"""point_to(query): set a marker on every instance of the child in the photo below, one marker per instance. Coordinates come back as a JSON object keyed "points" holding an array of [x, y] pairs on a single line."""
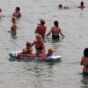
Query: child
{"points": [[14, 26], [27, 52], [17, 12], [84, 62], [44, 56]]}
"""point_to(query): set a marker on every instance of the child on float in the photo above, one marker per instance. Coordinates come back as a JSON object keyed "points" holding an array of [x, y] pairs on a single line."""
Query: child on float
{"points": [[27, 52], [43, 57]]}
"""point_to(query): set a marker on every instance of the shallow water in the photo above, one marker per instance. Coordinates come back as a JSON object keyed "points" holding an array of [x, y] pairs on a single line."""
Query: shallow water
{"points": [[32, 74]]}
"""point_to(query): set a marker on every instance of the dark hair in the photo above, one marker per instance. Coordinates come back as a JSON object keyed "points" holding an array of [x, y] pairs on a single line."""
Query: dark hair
{"points": [[18, 8], [82, 3], [60, 6], [86, 52], [56, 23], [42, 22]]}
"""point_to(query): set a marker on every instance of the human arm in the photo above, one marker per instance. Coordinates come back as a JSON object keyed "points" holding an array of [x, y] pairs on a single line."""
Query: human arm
{"points": [[49, 32], [61, 33]]}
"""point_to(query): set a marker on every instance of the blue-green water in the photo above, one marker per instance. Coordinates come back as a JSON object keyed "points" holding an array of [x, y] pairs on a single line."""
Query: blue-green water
{"points": [[32, 74]]}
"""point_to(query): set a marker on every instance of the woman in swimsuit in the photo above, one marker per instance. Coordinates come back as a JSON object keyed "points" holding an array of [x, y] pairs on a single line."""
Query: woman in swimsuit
{"points": [[56, 31], [14, 26]]}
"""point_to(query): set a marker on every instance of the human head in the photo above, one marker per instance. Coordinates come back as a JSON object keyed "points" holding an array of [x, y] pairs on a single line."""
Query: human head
{"points": [[60, 6], [17, 9], [28, 44], [56, 23], [82, 3], [42, 21], [38, 37], [86, 52], [50, 52]]}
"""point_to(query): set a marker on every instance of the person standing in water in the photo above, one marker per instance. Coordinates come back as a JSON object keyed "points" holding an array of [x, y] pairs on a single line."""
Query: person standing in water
{"points": [[41, 29], [17, 12], [81, 5], [84, 62], [56, 31], [14, 26], [39, 45]]}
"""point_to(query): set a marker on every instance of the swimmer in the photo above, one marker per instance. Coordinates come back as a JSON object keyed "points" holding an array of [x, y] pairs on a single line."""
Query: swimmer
{"points": [[62, 7], [56, 31], [17, 12], [14, 26], [84, 62], [41, 28], [27, 52], [39, 45], [81, 5], [44, 56]]}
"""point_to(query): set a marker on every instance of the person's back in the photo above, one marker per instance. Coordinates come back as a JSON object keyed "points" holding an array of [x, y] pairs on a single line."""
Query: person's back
{"points": [[84, 62], [41, 28]]}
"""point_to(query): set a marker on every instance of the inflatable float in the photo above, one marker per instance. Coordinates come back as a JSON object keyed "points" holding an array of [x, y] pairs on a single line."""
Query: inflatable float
{"points": [[48, 59]]}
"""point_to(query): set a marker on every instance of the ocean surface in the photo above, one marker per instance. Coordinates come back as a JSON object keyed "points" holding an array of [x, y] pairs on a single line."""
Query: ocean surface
{"points": [[33, 74]]}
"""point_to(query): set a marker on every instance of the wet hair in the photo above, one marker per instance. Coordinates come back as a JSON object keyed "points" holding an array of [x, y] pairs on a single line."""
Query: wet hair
{"points": [[56, 23], [18, 8], [28, 44], [42, 22], [60, 6], [86, 52], [82, 3]]}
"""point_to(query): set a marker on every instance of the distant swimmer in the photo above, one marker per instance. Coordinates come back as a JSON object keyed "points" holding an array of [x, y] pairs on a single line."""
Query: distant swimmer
{"points": [[84, 62], [55, 31], [63, 7], [41, 28], [17, 12], [39, 45], [81, 5], [14, 26]]}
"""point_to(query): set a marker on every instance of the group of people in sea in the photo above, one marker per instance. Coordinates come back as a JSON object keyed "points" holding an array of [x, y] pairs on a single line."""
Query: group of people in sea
{"points": [[40, 36], [39, 41], [81, 6]]}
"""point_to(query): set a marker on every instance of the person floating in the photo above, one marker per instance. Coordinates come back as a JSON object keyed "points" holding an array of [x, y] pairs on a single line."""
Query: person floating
{"points": [[81, 5], [41, 29], [84, 62], [56, 31], [39, 45], [60, 6], [17, 12]]}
